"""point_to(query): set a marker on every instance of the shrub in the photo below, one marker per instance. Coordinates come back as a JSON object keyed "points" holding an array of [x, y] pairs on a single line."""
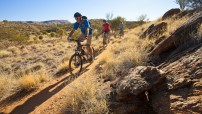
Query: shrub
{"points": [[12, 35], [87, 98], [115, 23], [128, 54], [52, 34], [63, 67], [14, 50], [6, 84], [5, 21], [40, 37], [61, 32], [5, 53], [32, 80]]}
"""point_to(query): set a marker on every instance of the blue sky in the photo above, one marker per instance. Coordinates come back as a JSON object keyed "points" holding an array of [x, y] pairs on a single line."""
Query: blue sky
{"points": [[42, 10]]}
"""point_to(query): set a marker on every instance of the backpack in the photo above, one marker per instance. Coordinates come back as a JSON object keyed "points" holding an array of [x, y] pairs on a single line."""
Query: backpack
{"points": [[84, 17]]}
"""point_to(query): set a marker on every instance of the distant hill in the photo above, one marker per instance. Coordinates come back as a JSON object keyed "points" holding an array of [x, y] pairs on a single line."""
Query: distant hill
{"points": [[49, 22]]}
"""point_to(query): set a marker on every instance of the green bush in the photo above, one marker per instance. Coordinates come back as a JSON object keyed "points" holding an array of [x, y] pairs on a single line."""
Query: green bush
{"points": [[12, 35], [115, 22], [61, 33], [40, 37], [35, 38], [5, 21], [52, 34]]}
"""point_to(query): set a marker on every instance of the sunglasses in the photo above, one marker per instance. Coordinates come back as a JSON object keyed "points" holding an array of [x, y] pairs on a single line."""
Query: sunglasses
{"points": [[77, 18]]}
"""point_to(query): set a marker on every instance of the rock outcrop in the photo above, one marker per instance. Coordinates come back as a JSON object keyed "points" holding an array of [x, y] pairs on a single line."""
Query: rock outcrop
{"points": [[182, 92], [128, 94], [170, 13], [179, 37], [175, 86], [154, 31], [187, 13]]}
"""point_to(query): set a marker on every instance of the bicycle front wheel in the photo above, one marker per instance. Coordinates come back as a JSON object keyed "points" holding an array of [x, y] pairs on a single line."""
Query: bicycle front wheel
{"points": [[75, 64], [93, 52]]}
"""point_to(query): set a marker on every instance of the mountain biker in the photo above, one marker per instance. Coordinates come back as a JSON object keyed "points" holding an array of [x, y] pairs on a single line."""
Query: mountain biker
{"points": [[105, 31], [86, 31], [121, 27]]}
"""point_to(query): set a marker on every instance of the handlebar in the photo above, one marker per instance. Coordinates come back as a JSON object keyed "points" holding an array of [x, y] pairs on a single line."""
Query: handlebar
{"points": [[72, 39], [77, 41]]}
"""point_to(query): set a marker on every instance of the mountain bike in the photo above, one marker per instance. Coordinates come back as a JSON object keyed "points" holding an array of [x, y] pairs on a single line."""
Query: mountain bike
{"points": [[79, 58], [121, 33], [106, 38]]}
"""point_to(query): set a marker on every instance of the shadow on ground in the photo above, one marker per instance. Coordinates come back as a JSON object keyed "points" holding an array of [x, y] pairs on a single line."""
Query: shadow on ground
{"points": [[42, 96]]}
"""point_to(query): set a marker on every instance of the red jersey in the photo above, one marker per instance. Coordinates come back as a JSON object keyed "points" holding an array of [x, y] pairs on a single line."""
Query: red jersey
{"points": [[106, 27]]}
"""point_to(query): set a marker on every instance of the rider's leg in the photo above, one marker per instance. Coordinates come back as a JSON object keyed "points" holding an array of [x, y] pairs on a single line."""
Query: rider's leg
{"points": [[108, 38], [122, 32], [104, 39], [90, 51], [89, 45]]}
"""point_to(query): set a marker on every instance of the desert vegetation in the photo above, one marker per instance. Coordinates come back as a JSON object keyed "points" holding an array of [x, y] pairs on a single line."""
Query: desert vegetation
{"points": [[88, 97], [31, 55], [126, 53]]}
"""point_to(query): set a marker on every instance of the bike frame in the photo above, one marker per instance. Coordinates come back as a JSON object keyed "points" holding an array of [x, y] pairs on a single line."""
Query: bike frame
{"points": [[79, 49], [80, 53]]}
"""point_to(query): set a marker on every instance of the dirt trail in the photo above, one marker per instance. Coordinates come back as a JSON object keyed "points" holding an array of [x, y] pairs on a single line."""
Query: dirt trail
{"points": [[49, 99]]}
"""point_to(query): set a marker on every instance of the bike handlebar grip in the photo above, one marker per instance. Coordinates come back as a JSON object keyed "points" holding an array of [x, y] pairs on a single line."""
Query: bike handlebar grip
{"points": [[70, 39]]}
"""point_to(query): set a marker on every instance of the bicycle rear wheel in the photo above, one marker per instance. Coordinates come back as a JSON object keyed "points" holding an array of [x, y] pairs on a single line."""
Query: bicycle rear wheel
{"points": [[75, 64]]}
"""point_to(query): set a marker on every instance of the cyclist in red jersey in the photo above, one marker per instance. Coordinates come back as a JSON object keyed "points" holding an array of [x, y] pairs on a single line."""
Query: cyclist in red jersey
{"points": [[105, 32]]}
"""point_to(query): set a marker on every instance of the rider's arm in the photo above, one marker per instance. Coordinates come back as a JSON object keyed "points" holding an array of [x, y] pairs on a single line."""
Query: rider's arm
{"points": [[87, 28], [87, 32], [70, 34], [75, 27]]}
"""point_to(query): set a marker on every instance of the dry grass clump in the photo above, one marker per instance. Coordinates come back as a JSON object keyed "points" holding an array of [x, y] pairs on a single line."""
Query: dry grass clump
{"points": [[97, 43], [6, 83], [5, 53], [14, 50], [32, 80], [128, 54], [63, 67], [173, 24], [87, 98]]}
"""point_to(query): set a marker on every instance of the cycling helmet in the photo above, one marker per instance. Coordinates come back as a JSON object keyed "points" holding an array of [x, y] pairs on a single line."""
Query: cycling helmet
{"points": [[77, 14], [104, 20]]}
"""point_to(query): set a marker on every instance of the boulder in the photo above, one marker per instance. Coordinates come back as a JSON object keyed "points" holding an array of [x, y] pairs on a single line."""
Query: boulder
{"points": [[128, 94], [171, 13], [139, 80]]}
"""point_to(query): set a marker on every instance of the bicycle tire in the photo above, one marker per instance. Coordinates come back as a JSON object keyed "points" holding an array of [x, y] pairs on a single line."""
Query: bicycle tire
{"points": [[75, 64], [93, 52]]}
